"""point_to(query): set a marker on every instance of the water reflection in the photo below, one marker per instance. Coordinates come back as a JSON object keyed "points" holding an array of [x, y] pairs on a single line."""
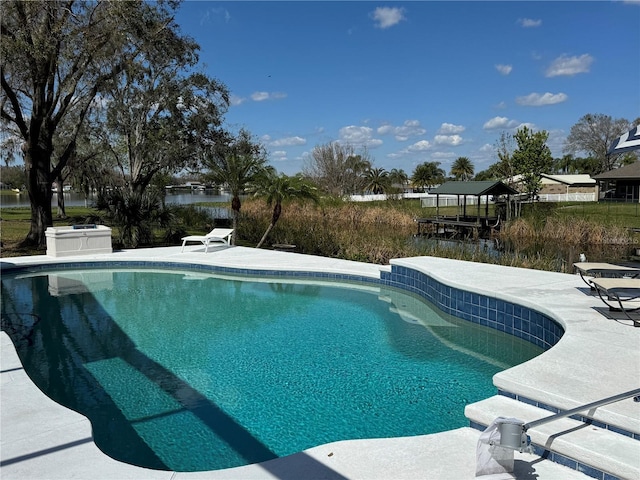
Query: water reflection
{"points": [[485, 344], [72, 199]]}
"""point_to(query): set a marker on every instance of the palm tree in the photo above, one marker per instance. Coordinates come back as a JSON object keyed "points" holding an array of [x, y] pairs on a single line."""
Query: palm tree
{"points": [[281, 188], [356, 168], [427, 174], [237, 172], [398, 176], [462, 169], [565, 165], [236, 163], [135, 214], [377, 180]]}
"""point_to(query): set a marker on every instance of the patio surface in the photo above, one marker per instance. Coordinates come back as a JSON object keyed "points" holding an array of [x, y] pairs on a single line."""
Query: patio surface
{"points": [[597, 357]]}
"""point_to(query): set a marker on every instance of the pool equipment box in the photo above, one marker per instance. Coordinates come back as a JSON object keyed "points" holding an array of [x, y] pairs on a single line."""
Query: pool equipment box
{"points": [[78, 240]]}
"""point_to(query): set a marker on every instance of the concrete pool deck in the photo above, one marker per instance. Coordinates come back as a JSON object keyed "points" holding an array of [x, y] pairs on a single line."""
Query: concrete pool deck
{"points": [[597, 357]]}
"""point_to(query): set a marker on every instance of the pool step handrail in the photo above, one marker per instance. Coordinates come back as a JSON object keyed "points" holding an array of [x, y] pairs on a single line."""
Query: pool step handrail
{"points": [[514, 435]]}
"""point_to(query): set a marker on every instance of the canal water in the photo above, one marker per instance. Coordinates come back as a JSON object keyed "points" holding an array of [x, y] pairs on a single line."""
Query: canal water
{"points": [[72, 199]]}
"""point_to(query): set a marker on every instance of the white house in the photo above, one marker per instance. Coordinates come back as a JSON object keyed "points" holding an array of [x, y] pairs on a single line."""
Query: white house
{"points": [[564, 188]]}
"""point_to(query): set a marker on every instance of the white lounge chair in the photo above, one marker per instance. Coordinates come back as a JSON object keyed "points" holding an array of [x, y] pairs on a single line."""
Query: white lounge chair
{"points": [[604, 270], [625, 292], [217, 235]]}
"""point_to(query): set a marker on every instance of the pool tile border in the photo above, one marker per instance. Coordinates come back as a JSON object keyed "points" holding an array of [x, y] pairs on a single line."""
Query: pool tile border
{"points": [[511, 318], [197, 267]]}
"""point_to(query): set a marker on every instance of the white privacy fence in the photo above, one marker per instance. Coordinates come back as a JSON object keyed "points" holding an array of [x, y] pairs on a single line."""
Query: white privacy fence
{"points": [[452, 200], [382, 197], [429, 200], [568, 197]]}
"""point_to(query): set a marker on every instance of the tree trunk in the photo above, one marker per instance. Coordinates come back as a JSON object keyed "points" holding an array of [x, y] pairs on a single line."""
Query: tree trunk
{"points": [[264, 237], [235, 207], [37, 162], [277, 210], [62, 213]]}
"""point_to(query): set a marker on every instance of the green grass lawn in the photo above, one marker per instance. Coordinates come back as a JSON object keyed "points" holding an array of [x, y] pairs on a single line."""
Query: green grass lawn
{"points": [[625, 214]]}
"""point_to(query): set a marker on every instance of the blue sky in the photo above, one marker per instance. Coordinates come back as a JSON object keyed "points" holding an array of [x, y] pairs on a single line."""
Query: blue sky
{"points": [[416, 81]]}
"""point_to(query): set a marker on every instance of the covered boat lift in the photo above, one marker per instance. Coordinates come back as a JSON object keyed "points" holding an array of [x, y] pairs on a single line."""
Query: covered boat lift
{"points": [[464, 222]]}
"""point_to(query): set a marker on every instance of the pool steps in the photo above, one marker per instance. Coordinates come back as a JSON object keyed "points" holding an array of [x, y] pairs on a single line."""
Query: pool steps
{"points": [[567, 441]]}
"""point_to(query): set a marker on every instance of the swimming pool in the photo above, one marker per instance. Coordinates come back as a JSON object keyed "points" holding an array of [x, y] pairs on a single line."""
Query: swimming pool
{"points": [[192, 371]]}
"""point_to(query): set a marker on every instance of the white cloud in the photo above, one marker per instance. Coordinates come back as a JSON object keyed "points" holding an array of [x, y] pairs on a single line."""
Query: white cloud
{"points": [[442, 155], [410, 128], [504, 69], [556, 141], [304, 156], [450, 129], [278, 155], [530, 126], [236, 100], [451, 140], [529, 22], [262, 96], [215, 15], [362, 136], [288, 142], [568, 66], [540, 99], [386, 17], [420, 146], [536, 55], [486, 148], [499, 122]]}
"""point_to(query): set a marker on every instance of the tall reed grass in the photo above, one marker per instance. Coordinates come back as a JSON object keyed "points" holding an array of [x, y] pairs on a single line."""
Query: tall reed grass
{"points": [[342, 230], [569, 230], [376, 233]]}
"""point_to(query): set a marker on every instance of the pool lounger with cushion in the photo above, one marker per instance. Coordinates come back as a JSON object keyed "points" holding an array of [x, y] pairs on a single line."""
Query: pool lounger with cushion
{"points": [[625, 292], [598, 270]]}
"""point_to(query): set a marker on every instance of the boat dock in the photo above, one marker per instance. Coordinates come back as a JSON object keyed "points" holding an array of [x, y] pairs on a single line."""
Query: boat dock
{"points": [[452, 227]]}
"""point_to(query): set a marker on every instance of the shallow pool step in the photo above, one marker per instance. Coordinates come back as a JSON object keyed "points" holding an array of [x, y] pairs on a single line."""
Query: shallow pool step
{"points": [[595, 451]]}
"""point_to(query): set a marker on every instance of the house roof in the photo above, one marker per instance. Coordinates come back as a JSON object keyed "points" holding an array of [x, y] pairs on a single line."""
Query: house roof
{"points": [[628, 172], [581, 179], [547, 179], [474, 188]]}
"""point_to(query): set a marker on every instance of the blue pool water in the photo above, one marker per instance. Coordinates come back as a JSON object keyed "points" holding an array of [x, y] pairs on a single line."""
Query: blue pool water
{"points": [[189, 371]]}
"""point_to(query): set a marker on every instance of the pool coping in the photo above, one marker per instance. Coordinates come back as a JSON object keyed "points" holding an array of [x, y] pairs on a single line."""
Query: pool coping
{"points": [[560, 296]]}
